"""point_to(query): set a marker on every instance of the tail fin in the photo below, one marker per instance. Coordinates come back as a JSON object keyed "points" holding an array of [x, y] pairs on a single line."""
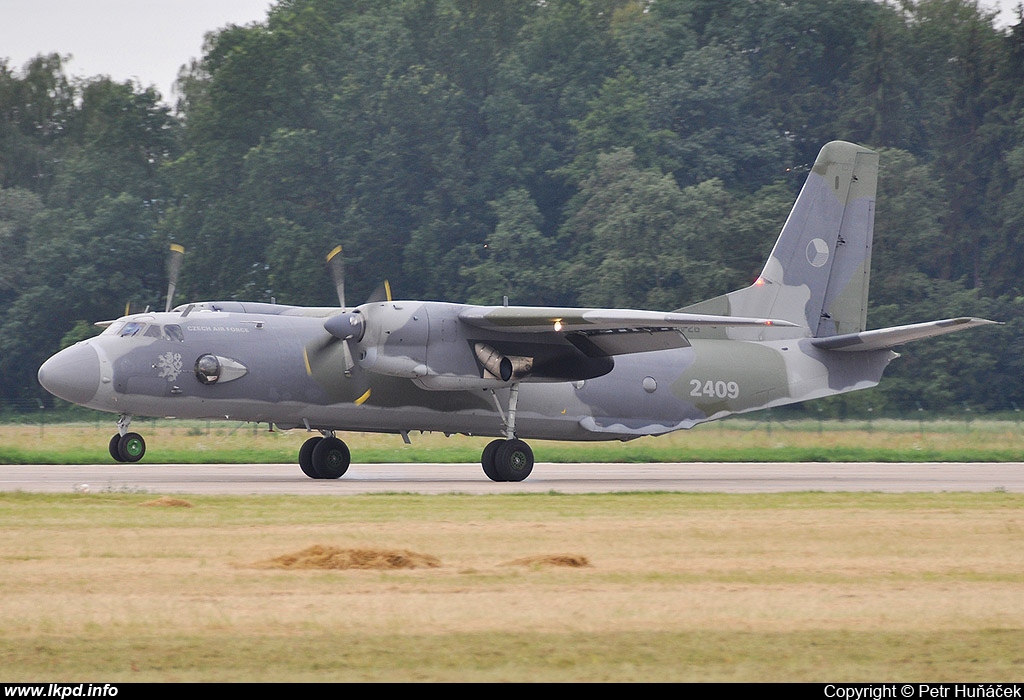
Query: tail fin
{"points": [[818, 272]]}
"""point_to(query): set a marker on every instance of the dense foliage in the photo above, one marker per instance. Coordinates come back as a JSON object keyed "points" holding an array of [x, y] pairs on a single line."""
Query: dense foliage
{"points": [[638, 153]]}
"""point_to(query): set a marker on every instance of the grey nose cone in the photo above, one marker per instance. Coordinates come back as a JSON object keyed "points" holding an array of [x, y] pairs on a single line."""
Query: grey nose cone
{"points": [[72, 374]]}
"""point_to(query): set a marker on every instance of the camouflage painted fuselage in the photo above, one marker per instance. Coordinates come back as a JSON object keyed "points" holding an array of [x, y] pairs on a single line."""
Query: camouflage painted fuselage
{"points": [[416, 370]]}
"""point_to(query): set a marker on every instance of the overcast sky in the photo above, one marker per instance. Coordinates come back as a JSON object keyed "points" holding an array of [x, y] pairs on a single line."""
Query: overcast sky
{"points": [[143, 40]]}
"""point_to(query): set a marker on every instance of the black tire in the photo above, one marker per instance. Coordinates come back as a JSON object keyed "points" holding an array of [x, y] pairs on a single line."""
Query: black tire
{"points": [[306, 457], [113, 447], [513, 461], [331, 458], [131, 447], [487, 460]]}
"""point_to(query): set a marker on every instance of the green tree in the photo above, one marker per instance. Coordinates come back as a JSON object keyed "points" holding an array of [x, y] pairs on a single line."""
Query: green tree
{"points": [[17, 209], [518, 260], [635, 250], [36, 106]]}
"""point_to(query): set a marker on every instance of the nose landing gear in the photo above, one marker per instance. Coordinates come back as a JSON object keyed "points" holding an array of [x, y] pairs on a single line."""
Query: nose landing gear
{"points": [[126, 446]]}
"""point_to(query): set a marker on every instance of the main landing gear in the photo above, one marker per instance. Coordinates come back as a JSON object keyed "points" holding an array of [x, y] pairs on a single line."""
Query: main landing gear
{"points": [[324, 457], [504, 459], [509, 459], [126, 446]]}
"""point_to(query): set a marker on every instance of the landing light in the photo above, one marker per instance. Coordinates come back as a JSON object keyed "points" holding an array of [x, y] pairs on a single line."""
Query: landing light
{"points": [[558, 325]]}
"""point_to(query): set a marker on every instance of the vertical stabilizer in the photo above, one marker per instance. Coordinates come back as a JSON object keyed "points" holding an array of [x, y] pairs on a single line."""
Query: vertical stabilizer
{"points": [[818, 272]]}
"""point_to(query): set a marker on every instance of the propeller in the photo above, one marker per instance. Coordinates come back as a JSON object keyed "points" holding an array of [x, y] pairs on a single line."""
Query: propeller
{"points": [[347, 325], [173, 268], [336, 264], [381, 293]]}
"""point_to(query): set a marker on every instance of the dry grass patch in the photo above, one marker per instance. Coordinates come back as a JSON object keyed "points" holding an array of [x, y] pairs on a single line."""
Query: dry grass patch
{"points": [[168, 502], [569, 560], [326, 557]]}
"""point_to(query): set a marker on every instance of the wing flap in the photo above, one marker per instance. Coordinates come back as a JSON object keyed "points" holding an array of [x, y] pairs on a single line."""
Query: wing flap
{"points": [[622, 341]]}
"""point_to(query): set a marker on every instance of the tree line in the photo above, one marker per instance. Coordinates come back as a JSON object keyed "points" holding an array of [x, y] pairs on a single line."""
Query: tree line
{"points": [[627, 153]]}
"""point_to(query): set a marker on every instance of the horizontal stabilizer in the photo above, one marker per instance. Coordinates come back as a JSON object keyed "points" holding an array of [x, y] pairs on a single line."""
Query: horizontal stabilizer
{"points": [[885, 338]]}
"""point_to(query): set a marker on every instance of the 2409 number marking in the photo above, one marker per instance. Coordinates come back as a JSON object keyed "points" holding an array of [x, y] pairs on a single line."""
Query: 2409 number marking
{"points": [[714, 389]]}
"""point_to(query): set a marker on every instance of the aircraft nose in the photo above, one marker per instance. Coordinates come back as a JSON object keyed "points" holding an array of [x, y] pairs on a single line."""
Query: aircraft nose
{"points": [[73, 374]]}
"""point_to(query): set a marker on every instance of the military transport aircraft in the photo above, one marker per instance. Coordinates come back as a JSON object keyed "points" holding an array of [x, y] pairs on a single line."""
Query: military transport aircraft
{"points": [[513, 372]]}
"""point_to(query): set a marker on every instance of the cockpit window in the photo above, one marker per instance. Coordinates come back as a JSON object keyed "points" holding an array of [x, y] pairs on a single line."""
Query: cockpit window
{"points": [[114, 328], [131, 328]]}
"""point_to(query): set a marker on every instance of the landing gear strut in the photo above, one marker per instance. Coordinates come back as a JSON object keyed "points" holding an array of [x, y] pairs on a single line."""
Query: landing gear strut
{"points": [[324, 457], [510, 459], [126, 446]]}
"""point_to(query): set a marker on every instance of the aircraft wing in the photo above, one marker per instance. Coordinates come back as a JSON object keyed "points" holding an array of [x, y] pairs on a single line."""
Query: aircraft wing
{"points": [[885, 338], [598, 332]]}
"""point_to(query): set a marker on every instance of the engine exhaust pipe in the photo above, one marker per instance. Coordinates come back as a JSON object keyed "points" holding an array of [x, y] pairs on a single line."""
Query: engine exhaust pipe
{"points": [[503, 367]]}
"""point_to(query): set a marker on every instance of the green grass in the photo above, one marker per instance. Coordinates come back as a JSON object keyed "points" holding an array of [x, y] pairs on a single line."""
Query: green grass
{"points": [[190, 442]]}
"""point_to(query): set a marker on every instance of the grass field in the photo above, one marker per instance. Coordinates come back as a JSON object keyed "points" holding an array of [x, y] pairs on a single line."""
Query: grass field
{"points": [[803, 587], [544, 587], [730, 440]]}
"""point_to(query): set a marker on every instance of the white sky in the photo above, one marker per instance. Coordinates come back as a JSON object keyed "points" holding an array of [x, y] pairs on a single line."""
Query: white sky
{"points": [[146, 40], [142, 40]]}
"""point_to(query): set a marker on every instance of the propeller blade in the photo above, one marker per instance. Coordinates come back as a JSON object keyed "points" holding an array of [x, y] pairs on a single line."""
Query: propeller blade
{"points": [[381, 293], [322, 354], [173, 268], [336, 264]]}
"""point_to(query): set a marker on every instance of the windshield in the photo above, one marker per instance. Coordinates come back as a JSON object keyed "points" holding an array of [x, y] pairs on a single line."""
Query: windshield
{"points": [[132, 329]]}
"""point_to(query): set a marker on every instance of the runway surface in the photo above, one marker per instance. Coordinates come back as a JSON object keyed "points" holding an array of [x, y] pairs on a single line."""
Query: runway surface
{"points": [[547, 477]]}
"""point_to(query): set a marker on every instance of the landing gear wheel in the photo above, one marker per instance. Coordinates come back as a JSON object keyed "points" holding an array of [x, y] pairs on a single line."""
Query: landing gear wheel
{"points": [[487, 460], [513, 460], [113, 448], [131, 447], [306, 457], [331, 458]]}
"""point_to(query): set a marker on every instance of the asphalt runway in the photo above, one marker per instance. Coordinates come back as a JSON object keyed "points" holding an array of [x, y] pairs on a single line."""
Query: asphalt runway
{"points": [[242, 479]]}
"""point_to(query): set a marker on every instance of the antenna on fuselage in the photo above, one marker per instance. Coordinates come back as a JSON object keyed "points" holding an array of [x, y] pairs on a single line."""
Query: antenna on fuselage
{"points": [[173, 268]]}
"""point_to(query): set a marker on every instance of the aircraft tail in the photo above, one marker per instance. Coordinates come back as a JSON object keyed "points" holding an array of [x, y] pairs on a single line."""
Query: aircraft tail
{"points": [[818, 272]]}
